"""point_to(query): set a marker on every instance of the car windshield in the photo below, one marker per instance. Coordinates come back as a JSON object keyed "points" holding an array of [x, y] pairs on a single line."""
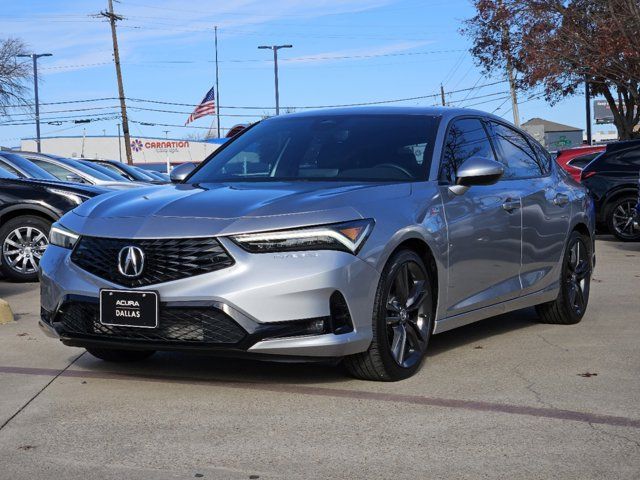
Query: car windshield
{"points": [[327, 147]]}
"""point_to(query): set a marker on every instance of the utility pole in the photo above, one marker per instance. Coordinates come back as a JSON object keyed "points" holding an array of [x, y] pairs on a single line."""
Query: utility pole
{"points": [[215, 30], [587, 100], [444, 103], [275, 49], [119, 144], [514, 95], [113, 18], [35, 57]]}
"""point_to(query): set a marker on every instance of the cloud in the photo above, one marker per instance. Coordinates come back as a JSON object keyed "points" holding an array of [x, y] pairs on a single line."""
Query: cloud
{"points": [[361, 53]]}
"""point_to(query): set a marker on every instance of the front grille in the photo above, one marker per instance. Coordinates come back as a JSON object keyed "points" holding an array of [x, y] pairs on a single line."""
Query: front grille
{"points": [[165, 259], [184, 325]]}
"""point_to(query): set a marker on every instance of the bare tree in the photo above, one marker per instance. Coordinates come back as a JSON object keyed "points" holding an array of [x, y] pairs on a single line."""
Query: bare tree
{"points": [[15, 73]]}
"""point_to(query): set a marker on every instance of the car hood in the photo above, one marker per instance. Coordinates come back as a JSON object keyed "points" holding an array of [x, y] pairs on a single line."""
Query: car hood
{"points": [[206, 209]]}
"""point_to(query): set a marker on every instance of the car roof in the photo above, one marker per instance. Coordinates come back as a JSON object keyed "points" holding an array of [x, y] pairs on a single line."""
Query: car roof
{"points": [[443, 112]]}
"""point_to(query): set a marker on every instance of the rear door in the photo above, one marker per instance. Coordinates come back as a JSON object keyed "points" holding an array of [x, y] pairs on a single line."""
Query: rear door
{"points": [[484, 226], [546, 205]]}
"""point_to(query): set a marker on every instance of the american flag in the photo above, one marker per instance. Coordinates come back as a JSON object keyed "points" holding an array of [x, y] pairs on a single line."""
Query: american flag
{"points": [[207, 107]]}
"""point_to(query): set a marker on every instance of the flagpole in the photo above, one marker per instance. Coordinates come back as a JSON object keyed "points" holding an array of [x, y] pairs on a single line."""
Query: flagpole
{"points": [[217, 84]]}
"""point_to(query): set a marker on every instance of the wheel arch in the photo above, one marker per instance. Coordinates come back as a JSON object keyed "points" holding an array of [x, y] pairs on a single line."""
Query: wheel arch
{"points": [[15, 211], [614, 195], [417, 243]]}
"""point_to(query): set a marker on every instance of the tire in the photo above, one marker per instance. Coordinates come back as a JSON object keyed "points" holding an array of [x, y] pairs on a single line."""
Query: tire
{"points": [[575, 282], [22, 242], [113, 355], [620, 216], [380, 362]]}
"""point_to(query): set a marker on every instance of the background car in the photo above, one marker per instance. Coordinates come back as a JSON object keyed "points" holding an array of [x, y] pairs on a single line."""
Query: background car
{"points": [[612, 180], [27, 209], [129, 172], [573, 160], [69, 170], [22, 168]]}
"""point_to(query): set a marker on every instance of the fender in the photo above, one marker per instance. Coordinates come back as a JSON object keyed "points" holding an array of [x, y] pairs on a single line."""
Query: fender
{"points": [[34, 207]]}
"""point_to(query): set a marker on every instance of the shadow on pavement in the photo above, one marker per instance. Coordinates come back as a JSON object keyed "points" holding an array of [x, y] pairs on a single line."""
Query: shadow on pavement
{"points": [[202, 367]]}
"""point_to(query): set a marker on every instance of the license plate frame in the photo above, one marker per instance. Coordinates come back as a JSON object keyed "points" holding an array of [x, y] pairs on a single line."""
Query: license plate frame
{"points": [[141, 305]]}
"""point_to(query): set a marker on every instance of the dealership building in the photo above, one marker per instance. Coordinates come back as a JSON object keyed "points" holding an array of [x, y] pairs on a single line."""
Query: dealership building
{"points": [[145, 150]]}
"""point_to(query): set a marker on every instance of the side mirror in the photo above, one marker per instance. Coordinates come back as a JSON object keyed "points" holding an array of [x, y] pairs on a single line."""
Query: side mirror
{"points": [[179, 173], [476, 171], [72, 177]]}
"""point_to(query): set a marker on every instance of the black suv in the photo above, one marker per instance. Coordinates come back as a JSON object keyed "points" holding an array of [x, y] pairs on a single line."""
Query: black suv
{"points": [[27, 209], [612, 180]]}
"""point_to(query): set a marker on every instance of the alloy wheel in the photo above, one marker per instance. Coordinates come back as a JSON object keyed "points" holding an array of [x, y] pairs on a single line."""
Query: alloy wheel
{"points": [[577, 276], [407, 319], [23, 248], [623, 220]]}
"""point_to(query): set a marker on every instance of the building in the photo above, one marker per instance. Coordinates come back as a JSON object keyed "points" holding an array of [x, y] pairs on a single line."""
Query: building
{"points": [[143, 149], [554, 136]]}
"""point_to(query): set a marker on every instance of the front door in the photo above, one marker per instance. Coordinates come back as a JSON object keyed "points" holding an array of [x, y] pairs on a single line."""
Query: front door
{"points": [[484, 226]]}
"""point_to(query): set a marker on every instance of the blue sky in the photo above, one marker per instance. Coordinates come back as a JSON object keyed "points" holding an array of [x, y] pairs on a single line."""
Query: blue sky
{"points": [[345, 51]]}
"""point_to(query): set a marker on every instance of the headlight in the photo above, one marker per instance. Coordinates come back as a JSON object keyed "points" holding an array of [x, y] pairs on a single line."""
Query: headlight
{"points": [[77, 198], [62, 237], [347, 237]]}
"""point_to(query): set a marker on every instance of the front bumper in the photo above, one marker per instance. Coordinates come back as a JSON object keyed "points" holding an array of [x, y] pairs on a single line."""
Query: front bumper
{"points": [[271, 298]]}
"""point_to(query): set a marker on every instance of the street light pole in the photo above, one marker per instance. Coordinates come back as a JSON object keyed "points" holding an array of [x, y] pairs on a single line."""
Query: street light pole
{"points": [[35, 57], [166, 137], [275, 49]]}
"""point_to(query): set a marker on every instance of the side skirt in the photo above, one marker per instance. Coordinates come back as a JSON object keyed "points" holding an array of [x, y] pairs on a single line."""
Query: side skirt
{"points": [[530, 300]]}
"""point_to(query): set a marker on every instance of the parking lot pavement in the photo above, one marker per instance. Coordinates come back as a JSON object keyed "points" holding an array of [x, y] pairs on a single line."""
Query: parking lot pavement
{"points": [[504, 398]]}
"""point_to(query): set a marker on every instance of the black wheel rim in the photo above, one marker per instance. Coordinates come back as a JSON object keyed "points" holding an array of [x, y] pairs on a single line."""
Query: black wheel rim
{"points": [[22, 249], [624, 221], [578, 276], [407, 314]]}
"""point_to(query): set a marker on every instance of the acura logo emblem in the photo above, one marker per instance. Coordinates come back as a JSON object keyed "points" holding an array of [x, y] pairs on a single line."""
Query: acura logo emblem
{"points": [[131, 261]]}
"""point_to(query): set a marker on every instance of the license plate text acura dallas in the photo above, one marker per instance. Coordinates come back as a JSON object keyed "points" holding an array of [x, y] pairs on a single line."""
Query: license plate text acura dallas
{"points": [[353, 234]]}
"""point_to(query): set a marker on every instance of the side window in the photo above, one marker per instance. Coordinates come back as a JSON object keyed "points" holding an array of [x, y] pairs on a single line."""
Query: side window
{"points": [[466, 138], [55, 170], [6, 168], [544, 157], [516, 154]]}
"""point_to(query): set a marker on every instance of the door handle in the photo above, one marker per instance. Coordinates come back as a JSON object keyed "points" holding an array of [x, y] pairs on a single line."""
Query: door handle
{"points": [[510, 205], [561, 200]]}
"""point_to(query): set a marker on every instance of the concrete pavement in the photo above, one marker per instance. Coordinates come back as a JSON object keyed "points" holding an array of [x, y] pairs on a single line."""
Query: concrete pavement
{"points": [[504, 398]]}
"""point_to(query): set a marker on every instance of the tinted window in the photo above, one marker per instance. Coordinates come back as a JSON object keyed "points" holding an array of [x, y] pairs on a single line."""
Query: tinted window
{"points": [[54, 169], [516, 154], [583, 160], [7, 171], [327, 147], [544, 157], [6, 168], [466, 138]]}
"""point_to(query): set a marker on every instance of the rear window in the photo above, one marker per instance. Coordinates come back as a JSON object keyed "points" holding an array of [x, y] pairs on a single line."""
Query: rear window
{"points": [[583, 160], [327, 148]]}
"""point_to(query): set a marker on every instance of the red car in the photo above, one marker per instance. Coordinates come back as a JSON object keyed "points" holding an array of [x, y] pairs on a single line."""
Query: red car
{"points": [[573, 160]]}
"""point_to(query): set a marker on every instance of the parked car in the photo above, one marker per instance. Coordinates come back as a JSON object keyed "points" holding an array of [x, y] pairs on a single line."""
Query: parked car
{"points": [[163, 177], [27, 210], [118, 177], [573, 160], [128, 171], [612, 180], [21, 167], [353, 234], [69, 170]]}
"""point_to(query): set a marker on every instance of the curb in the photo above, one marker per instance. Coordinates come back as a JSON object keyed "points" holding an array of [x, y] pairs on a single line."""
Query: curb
{"points": [[6, 315]]}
